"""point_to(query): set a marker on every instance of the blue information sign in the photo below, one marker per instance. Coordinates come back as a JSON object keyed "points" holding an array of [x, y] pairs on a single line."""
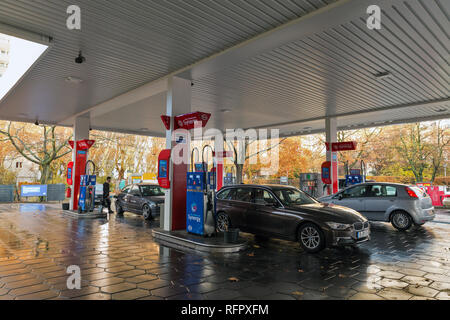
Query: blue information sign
{"points": [[162, 168], [33, 190]]}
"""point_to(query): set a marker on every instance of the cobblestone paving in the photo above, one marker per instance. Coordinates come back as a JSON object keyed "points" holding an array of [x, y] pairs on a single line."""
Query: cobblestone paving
{"points": [[120, 260]]}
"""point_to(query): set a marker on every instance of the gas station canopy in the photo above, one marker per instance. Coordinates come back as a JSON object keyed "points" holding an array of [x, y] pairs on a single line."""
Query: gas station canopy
{"points": [[253, 64]]}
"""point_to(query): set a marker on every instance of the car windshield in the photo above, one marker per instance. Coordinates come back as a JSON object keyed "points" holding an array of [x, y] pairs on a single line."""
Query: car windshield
{"points": [[150, 191], [291, 196]]}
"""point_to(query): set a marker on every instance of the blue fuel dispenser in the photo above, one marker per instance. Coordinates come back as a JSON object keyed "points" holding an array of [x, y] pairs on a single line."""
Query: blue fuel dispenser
{"points": [[355, 176], [200, 204], [86, 198], [195, 203]]}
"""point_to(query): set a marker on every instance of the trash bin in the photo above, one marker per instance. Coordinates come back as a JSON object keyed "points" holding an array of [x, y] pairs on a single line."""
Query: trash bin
{"points": [[65, 206], [231, 236]]}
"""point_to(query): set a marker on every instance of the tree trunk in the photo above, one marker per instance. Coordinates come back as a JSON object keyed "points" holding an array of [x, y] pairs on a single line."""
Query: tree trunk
{"points": [[239, 173], [45, 173]]}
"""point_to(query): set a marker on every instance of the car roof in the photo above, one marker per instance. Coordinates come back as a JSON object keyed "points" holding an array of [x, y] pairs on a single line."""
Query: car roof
{"points": [[267, 186], [387, 183]]}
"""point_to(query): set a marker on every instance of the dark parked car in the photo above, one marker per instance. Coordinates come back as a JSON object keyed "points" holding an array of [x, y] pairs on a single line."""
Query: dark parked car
{"points": [[141, 199], [288, 213]]}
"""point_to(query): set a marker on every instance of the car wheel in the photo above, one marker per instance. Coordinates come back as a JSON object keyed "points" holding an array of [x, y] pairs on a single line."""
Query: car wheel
{"points": [[223, 222], [311, 238], [147, 212], [119, 209], [401, 220]]}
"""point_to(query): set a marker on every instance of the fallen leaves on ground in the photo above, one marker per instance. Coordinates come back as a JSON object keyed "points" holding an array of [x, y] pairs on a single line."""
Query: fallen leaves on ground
{"points": [[297, 293], [233, 279]]}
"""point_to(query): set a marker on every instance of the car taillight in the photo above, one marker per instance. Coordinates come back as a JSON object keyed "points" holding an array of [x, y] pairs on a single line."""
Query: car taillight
{"points": [[411, 193]]}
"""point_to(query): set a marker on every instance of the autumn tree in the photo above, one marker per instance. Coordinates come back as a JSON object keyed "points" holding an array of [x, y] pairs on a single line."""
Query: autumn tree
{"points": [[116, 153], [7, 154], [41, 144], [440, 145], [413, 147]]}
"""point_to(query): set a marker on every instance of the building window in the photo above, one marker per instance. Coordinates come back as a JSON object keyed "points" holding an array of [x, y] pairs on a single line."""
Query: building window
{"points": [[18, 165]]}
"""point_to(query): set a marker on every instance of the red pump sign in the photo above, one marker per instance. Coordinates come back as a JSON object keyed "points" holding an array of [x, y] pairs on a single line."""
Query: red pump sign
{"points": [[70, 173], [326, 172], [163, 169]]}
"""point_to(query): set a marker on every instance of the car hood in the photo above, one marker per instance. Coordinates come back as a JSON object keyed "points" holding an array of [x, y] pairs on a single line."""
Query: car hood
{"points": [[330, 211], [326, 198], [155, 199]]}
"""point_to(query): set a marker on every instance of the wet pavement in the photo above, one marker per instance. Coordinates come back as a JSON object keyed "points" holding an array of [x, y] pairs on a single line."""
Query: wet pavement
{"points": [[119, 259]]}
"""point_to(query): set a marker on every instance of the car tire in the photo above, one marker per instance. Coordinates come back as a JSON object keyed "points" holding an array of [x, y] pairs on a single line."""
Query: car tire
{"points": [[401, 220], [119, 209], [147, 212], [223, 222], [261, 238], [311, 238]]}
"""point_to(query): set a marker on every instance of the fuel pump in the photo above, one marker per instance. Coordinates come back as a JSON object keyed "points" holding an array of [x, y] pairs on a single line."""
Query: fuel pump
{"points": [[230, 177], [355, 176], [311, 184], [200, 197], [86, 200]]}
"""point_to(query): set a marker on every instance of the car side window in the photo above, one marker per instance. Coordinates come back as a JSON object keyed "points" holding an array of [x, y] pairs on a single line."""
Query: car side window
{"points": [[355, 192], [379, 191], [224, 195], [263, 197], [243, 194], [135, 191], [126, 189]]}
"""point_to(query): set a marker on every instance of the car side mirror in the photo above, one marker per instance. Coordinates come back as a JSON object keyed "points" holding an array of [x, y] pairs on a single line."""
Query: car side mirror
{"points": [[341, 196]]}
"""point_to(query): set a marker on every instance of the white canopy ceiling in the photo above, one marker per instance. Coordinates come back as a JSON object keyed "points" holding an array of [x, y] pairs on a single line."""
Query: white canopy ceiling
{"points": [[284, 64]]}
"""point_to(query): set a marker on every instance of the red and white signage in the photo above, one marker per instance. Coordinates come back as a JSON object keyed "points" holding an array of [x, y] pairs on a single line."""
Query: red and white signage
{"points": [[166, 121], [187, 121], [342, 146], [82, 144]]}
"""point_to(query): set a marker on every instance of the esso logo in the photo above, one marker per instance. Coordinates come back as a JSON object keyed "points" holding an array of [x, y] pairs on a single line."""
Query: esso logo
{"points": [[194, 207]]}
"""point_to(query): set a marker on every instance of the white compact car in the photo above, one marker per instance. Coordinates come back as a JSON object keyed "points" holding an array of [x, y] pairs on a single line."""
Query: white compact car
{"points": [[400, 204]]}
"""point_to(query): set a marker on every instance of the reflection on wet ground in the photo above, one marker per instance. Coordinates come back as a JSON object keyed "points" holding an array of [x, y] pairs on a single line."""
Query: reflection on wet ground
{"points": [[120, 260]]}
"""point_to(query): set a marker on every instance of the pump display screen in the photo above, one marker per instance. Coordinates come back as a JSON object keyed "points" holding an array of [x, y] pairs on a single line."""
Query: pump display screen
{"points": [[162, 169], [325, 173]]}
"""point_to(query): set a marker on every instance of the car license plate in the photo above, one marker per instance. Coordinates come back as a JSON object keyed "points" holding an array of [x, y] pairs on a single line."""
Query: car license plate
{"points": [[362, 234]]}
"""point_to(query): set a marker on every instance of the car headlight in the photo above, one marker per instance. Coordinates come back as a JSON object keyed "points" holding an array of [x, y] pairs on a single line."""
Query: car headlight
{"points": [[338, 226], [152, 205]]}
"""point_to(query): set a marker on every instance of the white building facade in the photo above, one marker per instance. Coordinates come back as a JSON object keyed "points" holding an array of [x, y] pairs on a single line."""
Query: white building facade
{"points": [[4, 54]]}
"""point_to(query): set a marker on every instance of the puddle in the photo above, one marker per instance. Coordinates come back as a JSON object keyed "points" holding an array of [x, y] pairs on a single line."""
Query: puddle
{"points": [[32, 207]]}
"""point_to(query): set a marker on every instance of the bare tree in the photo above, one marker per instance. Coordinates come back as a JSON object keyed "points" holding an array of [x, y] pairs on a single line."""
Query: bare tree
{"points": [[240, 166], [43, 153]]}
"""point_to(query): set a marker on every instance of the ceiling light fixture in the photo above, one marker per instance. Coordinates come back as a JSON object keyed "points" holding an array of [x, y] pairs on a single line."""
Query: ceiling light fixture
{"points": [[74, 80], [383, 75]]}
